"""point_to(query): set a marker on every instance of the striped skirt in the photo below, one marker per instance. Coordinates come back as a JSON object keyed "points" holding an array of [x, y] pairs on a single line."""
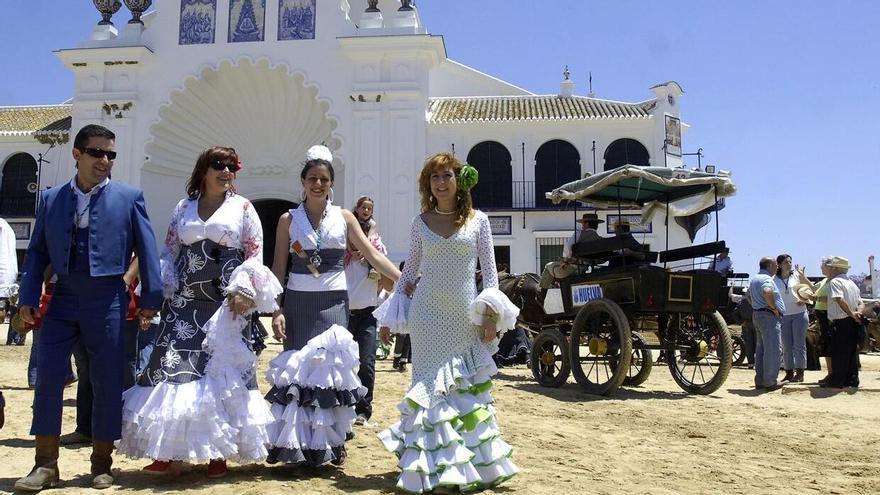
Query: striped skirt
{"points": [[309, 314]]}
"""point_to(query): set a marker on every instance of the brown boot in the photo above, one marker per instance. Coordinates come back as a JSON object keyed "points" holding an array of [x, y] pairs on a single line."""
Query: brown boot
{"points": [[45, 472], [798, 376], [102, 460]]}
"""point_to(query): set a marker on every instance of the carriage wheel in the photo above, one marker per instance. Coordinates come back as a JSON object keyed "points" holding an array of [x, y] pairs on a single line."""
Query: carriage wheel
{"points": [[738, 353], [641, 362], [600, 347], [699, 352], [549, 358]]}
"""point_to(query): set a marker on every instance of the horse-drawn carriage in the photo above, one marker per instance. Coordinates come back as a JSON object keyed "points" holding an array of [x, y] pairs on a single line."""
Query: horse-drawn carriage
{"points": [[596, 324]]}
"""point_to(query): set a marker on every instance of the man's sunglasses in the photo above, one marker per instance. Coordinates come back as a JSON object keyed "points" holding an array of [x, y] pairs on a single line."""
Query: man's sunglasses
{"points": [[98, 153], [221, 166]]}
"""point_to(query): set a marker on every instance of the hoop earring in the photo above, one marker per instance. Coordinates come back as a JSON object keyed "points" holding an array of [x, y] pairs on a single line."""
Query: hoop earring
{"points": [[330, 196]]}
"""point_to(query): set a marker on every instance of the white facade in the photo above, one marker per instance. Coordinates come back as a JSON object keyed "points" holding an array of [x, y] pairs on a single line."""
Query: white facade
{"points": [[365, 86]]}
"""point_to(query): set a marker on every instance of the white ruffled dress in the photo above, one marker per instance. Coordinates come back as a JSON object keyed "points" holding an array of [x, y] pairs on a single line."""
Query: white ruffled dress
{"points": [[447, 434], [202, 404]]}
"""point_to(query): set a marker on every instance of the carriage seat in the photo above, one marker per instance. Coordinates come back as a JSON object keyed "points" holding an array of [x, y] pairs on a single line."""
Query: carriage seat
{"points": [[615, 248]]}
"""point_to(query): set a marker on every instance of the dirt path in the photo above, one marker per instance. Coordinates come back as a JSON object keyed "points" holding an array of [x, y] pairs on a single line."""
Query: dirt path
{"points": [[649, 439]]}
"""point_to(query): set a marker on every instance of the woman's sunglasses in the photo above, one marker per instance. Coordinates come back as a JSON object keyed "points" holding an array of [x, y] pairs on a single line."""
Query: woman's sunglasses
{"points": [[220, 166], [97, 153]]}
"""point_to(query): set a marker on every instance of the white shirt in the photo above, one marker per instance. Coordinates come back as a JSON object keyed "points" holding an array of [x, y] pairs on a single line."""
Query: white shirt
{"points": [[786, 289], [846, 289], [8, 260], [81, 217], [333, 236]]}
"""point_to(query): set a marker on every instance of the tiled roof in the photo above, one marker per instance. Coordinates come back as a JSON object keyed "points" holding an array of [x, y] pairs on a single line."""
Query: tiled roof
{"points": [[532, 108], [36, 120]]}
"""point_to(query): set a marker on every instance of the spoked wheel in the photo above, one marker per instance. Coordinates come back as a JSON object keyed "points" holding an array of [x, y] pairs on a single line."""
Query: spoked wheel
{"points": [[549, 358], [738, 354], [641, 362], [699, 352], [600, 347]]}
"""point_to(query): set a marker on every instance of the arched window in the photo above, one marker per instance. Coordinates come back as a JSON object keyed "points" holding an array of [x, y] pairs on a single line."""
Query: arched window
{"points": [[18, 191], [492, 160], [556, 163], [625, 151]]}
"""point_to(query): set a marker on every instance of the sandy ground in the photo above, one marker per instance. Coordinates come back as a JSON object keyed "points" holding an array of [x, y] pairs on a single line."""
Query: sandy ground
{"points": [[648, 439]]}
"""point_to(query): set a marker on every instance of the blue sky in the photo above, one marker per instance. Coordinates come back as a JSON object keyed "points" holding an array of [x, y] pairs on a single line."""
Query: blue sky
{"points": [[786, 94]]}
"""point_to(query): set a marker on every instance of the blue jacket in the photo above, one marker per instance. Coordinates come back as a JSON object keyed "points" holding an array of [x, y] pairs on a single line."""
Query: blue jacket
{"points": [[118, 225]]}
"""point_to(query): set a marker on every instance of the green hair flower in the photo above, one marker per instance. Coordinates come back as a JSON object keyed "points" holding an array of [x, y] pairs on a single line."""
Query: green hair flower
{"points": [[468, 177]]}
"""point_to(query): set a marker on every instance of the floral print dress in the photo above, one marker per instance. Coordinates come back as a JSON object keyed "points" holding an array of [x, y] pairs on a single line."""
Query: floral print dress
{"points": [[174, 412]]}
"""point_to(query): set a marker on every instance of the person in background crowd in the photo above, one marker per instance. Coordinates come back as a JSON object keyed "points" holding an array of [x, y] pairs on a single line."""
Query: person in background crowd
{"points": [[843, 311], [8, 276], [567, 266], [767, 316], [363, 297], [748, 329], [86, 229], [402, 346], [794, 320], [723, 264], [820, 298]]}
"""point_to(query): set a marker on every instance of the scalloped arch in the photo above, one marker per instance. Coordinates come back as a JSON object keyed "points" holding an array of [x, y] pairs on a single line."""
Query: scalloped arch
{"points": [[268, 113]]}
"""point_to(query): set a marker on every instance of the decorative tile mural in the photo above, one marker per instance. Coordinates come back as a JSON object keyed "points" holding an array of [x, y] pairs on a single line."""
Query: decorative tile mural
{"points": [[197, 21], [296, 19], [247, 20]]}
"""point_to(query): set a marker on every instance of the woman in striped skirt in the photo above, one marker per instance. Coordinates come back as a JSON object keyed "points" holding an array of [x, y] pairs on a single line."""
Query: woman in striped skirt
{"points": [[315, 383]]}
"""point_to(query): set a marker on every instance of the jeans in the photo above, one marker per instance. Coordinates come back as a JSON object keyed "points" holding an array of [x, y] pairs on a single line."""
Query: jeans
{"points": [[138, 347], [794, 341], [768, 337], [362, 325]]}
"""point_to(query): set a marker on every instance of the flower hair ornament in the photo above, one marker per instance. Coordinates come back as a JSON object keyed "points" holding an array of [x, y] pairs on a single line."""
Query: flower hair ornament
{"points": [[319, 152], [467, 178]]}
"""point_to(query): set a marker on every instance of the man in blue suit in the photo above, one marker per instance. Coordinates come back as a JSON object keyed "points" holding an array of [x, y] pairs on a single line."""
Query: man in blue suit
{"points": [[86, 230]]}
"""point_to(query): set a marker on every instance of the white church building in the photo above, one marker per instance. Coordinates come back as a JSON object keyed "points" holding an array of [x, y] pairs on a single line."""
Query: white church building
{"points": [[273, 77]]}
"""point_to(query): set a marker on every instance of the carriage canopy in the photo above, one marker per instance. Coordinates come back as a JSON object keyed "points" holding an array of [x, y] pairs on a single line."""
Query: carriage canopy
{"points": [[650, 188]]}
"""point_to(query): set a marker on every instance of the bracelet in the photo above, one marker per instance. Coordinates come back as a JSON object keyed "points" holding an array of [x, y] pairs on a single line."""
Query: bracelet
{"points": [[493, 317]]}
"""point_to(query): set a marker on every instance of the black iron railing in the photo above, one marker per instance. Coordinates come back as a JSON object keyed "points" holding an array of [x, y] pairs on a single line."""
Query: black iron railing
{"points": [[513, 195]]}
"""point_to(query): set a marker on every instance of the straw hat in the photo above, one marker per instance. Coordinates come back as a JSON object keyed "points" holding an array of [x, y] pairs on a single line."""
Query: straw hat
{"points": [[839, 262], [803, 293], [590, 218]]}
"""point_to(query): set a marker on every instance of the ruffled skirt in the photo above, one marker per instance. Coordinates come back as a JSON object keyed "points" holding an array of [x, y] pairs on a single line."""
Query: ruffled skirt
{"points": [[313, 396], [195, 422], [453, 440]]}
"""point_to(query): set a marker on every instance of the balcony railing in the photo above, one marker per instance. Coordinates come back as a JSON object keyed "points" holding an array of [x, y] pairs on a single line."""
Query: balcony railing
{"points": [[513, 195]]}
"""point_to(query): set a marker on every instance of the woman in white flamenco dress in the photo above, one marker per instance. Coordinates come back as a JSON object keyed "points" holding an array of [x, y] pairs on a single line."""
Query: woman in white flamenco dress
{"points": [[198, 400], [315, 385], [447, 435]]}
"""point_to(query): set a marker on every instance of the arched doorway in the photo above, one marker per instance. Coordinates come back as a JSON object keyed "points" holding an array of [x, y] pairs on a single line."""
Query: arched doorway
{"points": [[556, 162], [269, 211], [18, 191], [626, 151], [492, 160]]}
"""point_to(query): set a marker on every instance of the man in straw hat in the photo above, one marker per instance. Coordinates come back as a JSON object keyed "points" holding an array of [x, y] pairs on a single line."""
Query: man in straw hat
{"points": [[843, 312], [567, 266], [767, 317]]}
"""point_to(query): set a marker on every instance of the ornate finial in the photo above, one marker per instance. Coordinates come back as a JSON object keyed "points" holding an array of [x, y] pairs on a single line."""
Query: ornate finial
{"points": [[372, 6], [107, 8], [405, 6], [566, 74], [137, 8]]}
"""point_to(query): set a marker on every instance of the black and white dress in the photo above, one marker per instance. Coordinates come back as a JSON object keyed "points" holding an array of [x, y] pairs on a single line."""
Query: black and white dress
{"points": [[315, 383], [198, 399]]}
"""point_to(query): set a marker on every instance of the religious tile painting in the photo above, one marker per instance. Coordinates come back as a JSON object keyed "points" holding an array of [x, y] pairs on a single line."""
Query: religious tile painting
{"points": [[197, 21], [247, 20], [296, 19]]}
